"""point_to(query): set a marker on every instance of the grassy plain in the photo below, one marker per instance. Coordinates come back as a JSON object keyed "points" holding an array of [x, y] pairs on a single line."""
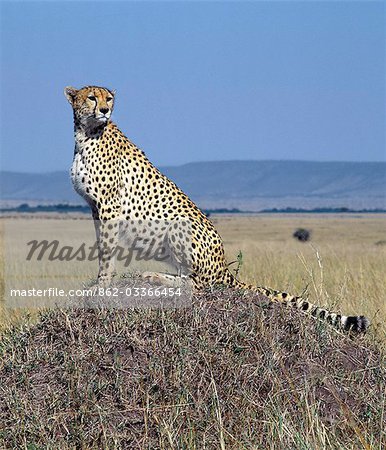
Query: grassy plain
{"points": [[343, 266], [228, 373]]}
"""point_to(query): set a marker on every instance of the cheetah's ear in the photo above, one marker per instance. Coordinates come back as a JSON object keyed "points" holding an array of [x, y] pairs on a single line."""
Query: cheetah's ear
{"points": [[70, 93]]}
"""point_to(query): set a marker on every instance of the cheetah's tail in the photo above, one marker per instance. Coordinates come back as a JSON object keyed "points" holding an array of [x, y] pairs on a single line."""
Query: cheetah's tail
{"points": [[347, 323]]}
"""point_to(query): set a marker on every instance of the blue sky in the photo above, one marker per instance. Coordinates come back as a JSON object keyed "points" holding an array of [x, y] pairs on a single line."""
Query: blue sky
{"points": [[197, 81]]}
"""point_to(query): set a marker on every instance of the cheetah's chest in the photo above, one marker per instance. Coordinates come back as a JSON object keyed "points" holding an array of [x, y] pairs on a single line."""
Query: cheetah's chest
{"points": [[80, 177]]}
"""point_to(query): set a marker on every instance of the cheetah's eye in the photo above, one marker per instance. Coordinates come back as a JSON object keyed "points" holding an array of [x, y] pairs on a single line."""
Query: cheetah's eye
{"points": [[91, 97], [108, 99]]}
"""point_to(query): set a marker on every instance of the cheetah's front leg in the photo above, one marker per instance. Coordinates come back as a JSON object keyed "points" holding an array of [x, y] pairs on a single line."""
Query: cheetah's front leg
{"points": [[107, 231], [107, 244]]}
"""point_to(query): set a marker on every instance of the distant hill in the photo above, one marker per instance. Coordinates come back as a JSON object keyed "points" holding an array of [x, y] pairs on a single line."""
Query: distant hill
{"points": [[246, 185]]}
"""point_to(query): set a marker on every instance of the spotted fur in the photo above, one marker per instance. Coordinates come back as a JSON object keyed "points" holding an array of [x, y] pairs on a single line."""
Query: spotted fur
{"points": [[120, 183]]}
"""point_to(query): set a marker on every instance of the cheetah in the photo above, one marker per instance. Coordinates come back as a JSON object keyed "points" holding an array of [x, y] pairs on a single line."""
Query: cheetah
{"points": [[120, 184]]}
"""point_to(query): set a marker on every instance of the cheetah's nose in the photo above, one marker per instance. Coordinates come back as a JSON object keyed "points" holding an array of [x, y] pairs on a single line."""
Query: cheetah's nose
{"points": [[104, 110]]}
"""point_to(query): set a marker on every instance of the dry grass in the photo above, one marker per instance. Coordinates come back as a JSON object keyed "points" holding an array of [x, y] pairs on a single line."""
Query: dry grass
{"points": [[228, 372], [343, 266]]}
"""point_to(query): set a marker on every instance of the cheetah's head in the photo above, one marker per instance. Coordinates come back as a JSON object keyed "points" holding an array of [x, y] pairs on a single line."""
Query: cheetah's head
{"points": [[92, 105]]}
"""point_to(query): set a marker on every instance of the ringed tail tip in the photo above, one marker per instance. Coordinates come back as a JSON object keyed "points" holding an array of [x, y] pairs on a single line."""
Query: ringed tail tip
{"points": [[359, 324]]}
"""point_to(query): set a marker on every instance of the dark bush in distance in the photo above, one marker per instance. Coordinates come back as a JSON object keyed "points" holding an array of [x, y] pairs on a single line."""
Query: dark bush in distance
{"points": [[302, 235]]}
